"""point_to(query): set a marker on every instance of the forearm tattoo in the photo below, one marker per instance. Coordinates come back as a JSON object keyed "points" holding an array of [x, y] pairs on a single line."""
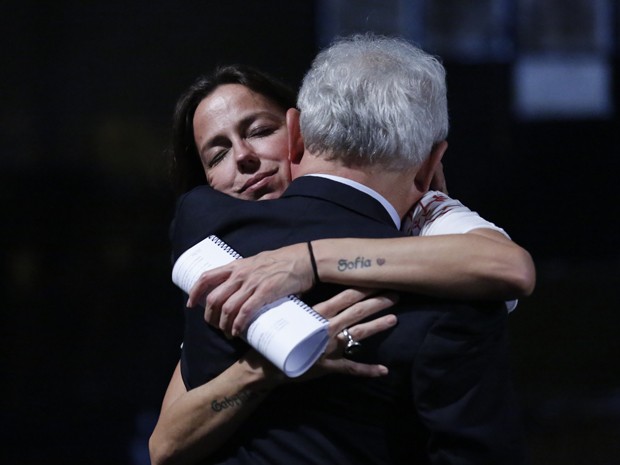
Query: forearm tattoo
{"points": [[358, 263], [236, 400]]}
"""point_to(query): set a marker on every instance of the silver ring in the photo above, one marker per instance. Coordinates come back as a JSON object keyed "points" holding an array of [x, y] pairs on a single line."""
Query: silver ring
{"points": [[352, 347]]}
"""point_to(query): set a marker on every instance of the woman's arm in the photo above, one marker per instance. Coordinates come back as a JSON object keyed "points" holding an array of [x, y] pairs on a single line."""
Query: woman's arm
{"points": [[481, 264], [193, 424]]}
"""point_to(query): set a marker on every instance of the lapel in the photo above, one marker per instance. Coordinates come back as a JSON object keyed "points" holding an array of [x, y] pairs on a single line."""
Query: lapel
{"points": [[340, 194]]}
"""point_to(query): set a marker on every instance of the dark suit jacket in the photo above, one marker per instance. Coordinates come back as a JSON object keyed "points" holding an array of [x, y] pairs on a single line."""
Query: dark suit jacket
{"points": [[448, 397]]}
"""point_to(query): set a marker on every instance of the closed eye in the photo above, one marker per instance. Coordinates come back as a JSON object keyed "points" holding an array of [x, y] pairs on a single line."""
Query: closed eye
{"points": [[262, 131], [218, 157]]}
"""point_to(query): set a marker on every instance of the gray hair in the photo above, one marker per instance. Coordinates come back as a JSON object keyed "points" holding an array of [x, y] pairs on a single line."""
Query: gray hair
{"points": [[373, 100]]}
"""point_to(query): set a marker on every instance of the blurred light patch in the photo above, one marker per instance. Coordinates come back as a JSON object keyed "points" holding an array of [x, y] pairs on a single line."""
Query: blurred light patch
{"points": [[562, 87], [470, 31], [345, 17]]}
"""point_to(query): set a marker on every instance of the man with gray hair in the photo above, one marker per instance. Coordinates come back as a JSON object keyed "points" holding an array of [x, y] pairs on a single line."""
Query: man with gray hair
{"points": [[373, 110], [365, 143]]}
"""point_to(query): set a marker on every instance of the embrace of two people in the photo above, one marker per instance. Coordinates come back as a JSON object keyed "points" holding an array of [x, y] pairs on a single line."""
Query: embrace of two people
{"points": [[299, 187]]}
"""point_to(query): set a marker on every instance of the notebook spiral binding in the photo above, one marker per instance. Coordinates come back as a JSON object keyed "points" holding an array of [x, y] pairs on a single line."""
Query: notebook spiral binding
{"points": [[224, 246], [308, 308]]}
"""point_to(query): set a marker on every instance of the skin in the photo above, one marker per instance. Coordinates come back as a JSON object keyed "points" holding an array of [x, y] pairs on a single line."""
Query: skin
{"points": [[244, 145], [244, 152], [235, 291]]}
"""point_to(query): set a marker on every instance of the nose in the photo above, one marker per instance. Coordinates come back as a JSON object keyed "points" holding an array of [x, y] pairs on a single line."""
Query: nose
{"points": [[246, 158]]}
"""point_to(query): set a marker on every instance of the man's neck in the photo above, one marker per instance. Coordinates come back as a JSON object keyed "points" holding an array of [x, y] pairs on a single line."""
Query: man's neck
{"points": [[367, 190], [396, 186]]}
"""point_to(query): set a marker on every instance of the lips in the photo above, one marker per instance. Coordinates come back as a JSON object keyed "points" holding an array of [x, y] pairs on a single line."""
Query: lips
{"points": [[257, 181]]}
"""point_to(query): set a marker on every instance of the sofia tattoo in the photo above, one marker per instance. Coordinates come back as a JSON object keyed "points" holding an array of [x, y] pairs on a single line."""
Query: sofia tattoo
{"points": [[358, 263]]}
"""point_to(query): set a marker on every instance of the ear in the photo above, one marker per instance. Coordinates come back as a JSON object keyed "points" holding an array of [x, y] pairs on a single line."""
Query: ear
{"points": [[425, 173], [295, 140]]}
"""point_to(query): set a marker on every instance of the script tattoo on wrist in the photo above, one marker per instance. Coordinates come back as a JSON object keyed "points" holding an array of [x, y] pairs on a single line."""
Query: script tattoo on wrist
{"points": [[236, 400], [358, 263]]}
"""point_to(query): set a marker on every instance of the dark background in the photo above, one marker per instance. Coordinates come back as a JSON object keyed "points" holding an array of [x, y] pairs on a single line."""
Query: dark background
{"points": [[90, 320]]}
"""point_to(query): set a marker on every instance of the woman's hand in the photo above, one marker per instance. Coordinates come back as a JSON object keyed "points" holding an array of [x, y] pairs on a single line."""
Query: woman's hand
{"points": [[346, 310], [438, 183], [234, 291]]}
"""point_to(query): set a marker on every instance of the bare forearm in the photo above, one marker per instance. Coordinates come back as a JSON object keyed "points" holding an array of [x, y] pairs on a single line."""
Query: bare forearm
{"points": [[196, 423], [481, 264], [461, 265]]}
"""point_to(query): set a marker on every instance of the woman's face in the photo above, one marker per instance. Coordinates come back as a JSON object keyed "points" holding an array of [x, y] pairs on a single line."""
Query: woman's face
{"points": [[242, 140]]}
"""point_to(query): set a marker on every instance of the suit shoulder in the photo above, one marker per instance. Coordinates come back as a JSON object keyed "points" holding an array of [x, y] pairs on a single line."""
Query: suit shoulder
{"points": [[198, 195]]}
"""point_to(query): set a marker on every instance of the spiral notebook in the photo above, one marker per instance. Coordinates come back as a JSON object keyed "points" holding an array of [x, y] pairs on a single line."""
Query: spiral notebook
{"points": [[289, 333]]}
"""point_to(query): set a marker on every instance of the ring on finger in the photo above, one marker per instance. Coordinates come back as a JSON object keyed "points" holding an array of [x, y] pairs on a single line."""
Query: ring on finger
{"points": [[352, 347]]}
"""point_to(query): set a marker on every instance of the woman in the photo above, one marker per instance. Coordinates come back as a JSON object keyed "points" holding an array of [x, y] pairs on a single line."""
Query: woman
{"points": [[239, 137]]}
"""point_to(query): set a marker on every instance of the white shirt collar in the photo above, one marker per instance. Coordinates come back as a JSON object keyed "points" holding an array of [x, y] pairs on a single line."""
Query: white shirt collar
{"points": [[367, 190]]}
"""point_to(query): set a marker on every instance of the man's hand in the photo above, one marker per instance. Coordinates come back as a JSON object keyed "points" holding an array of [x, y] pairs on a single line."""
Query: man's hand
{"points": [[236, 290]]}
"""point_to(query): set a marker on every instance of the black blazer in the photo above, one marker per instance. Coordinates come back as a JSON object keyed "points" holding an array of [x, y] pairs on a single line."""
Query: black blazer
{"points": [[448, 397]]}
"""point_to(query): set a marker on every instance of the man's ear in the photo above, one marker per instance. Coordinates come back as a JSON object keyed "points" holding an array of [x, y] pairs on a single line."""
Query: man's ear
{"points": [[424, 176], [295, 140]]}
